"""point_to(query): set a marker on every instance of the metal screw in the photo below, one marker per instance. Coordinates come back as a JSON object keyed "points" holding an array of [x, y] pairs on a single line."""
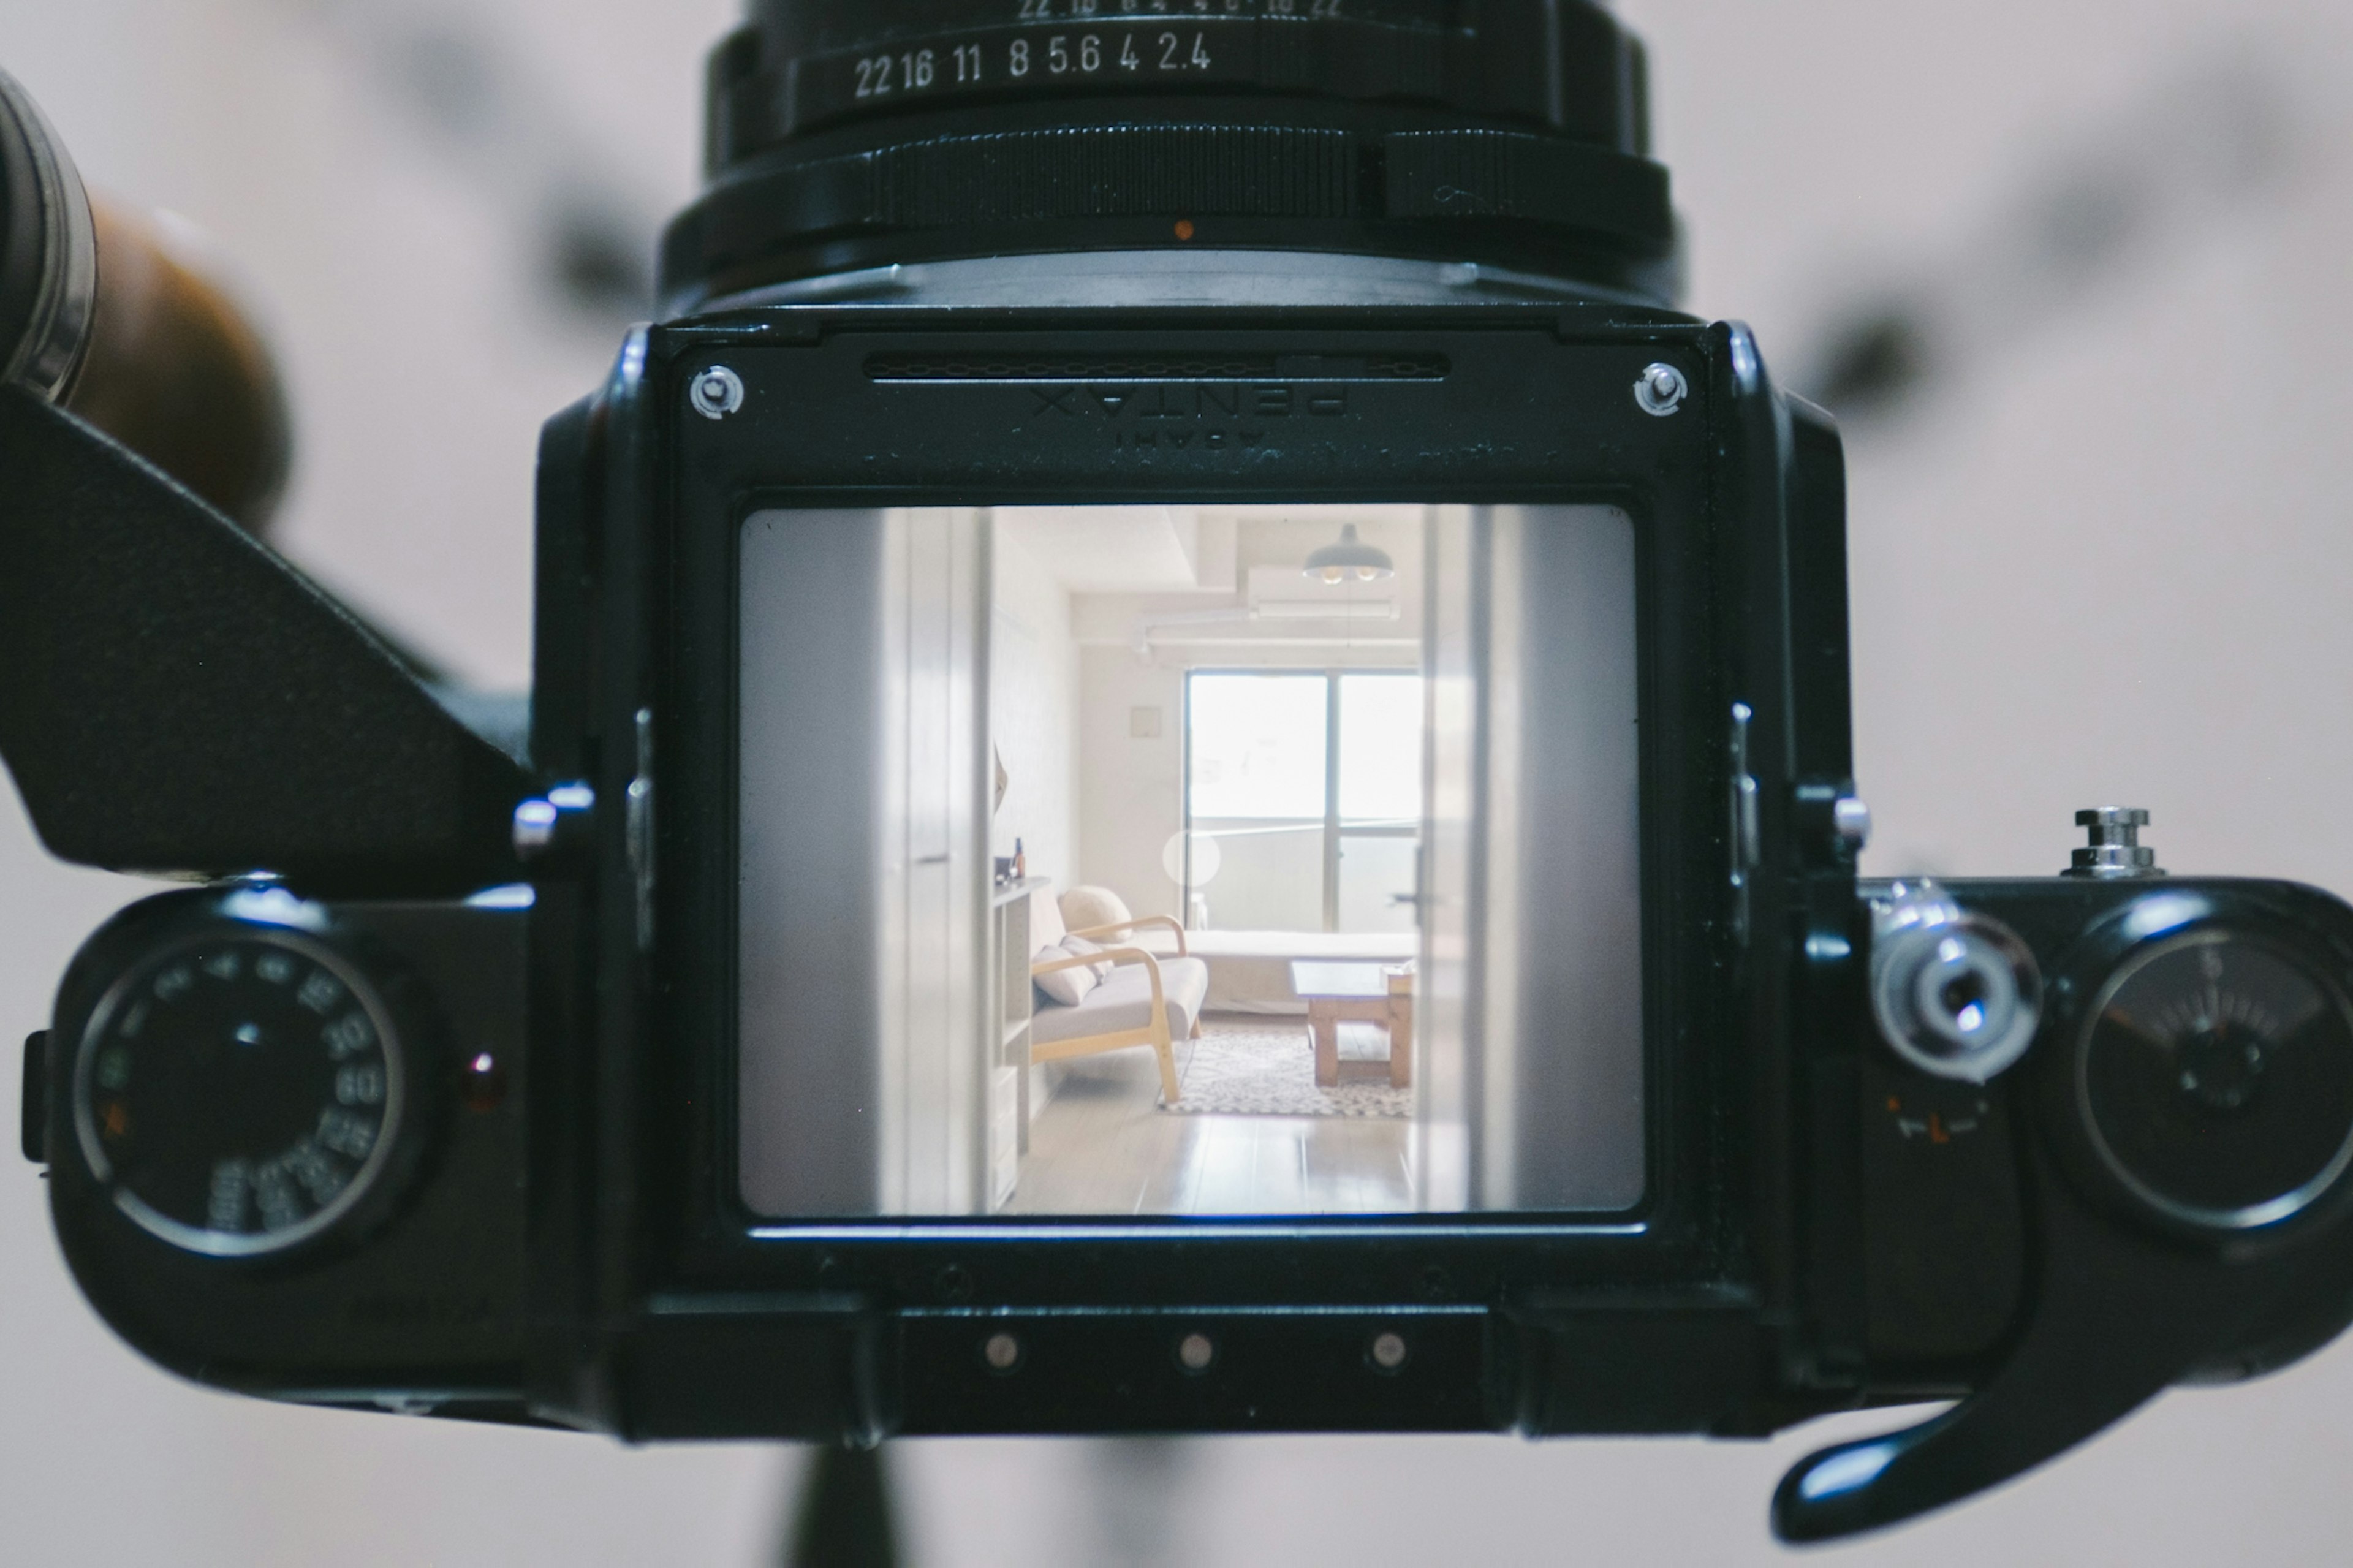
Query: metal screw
{"points": [[1003, 1353], [1196, 1351], [1851, 818], [1389, 1352], [2116, 851], [717, 393], [1661, 391]]}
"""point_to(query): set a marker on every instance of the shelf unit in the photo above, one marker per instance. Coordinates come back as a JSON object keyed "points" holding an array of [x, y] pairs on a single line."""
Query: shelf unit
{"points": [[1007, 1069]]}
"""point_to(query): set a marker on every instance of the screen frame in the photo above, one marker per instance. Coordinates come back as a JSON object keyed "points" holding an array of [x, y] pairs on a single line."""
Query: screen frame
{"points": [[1519, 382]]}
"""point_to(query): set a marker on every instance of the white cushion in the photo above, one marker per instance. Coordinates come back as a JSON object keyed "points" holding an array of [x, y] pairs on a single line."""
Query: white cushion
{"points": [[1085, 908], [1067, 986], [1079, 947], [1125, 1002]]}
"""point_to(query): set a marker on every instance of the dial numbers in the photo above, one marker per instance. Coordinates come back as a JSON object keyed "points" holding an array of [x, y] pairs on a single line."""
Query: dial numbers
{"points": [[237, 1094], [2217, 1077]]}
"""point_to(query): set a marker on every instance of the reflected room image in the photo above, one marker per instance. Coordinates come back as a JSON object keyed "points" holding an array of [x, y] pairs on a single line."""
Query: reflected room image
{"points": [[1164, 861]]}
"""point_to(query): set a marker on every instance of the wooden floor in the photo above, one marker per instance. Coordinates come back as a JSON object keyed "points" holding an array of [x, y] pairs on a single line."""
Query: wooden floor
{"points": [[1102, 1146]]}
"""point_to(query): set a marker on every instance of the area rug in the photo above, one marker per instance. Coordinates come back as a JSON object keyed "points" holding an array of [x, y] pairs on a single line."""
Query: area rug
{"points": [[1254, 1069]]}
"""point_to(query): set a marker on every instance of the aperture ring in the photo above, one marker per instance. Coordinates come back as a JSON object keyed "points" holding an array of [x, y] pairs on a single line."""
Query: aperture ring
{"points": [[1178, 173], [1566, 67]]}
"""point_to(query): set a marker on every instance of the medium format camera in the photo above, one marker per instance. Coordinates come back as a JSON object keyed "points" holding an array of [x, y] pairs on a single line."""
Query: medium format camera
{"points": [[1189, 771]]}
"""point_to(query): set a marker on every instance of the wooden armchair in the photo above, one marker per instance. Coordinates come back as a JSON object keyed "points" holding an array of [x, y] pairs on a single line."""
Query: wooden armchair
{"points": [[1117, 1002]]}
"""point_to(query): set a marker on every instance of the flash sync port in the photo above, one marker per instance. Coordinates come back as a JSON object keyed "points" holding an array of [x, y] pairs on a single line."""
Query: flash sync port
{"points": [[1956, 994]]}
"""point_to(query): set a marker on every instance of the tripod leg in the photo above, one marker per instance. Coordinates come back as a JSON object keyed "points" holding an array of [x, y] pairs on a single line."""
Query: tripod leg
{"points": [[844, 1517]]}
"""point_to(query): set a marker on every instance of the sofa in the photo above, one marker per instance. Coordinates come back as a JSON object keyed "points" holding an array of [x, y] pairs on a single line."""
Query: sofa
{"points": [[1090, 998]]}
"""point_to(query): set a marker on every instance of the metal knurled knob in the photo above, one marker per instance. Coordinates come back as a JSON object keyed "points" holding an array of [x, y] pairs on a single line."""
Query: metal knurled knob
{"points": [[2116, 850]]}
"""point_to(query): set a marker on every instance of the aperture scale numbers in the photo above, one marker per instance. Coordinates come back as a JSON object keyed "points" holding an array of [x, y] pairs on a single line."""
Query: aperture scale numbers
{"points": [[1132, 51], [1048, 44], [1123, 10]]}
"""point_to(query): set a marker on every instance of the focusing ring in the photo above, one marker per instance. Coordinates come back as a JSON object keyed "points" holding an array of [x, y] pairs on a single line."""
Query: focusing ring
{"points": [[1507, 131]]}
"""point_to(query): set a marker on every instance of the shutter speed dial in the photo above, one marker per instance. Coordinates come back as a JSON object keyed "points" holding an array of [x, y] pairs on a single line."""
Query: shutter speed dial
{"points": [[249, 1088], [2215, 1074]]}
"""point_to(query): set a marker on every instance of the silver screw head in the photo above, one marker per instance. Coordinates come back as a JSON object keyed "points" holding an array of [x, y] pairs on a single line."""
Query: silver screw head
{"points": [[1196, 1351], [1661, 391], [1389, 1352], [1003, 1353], [717, 393]]}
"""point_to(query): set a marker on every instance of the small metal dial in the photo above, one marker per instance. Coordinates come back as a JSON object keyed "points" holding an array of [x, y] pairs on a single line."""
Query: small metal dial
{"points": [[241, 1092], [2216, 1074]]}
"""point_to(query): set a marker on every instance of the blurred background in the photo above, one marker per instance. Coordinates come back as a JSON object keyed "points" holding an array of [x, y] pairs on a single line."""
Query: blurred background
{"points": [[2070, 269]]}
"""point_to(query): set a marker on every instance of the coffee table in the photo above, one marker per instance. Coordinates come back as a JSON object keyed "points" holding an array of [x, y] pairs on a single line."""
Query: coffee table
{"points": [[1338, 993]]}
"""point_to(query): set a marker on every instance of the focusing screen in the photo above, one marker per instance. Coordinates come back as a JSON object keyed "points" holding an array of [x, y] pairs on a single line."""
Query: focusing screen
{"points": [[1171, 861]]}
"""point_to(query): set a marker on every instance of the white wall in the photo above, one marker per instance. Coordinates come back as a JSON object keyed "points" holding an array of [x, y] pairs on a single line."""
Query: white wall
{"points": [[1033, 696], [1132, 798]]}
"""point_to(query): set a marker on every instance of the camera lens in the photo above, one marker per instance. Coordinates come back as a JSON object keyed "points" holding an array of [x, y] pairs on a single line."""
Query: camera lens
{"points": [[846, 135], [2216, 1073], [49, 260]]}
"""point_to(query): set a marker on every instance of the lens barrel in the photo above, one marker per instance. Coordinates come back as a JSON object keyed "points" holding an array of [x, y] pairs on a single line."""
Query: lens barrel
{"points": [[845, 135], [49, 262]]}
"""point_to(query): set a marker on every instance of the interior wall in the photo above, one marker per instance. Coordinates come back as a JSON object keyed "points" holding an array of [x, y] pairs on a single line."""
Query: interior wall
{"points": [[859, 1087], [1033, 700], [1132, 798]]}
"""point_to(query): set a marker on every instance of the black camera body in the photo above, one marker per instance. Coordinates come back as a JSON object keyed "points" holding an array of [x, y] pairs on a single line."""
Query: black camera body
{"points": [[2044, 1146]]}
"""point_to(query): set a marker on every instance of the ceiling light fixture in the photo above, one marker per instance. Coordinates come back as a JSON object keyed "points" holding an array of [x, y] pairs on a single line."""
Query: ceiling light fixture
{"points": [[1352, 557]]}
